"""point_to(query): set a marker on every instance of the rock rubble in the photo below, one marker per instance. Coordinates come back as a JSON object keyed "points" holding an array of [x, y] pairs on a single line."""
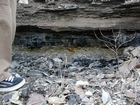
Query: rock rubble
{"points": [[71, 81]]}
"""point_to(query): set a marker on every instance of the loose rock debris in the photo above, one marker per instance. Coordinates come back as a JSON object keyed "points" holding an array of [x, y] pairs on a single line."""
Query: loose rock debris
{"points": [[52, 80]]}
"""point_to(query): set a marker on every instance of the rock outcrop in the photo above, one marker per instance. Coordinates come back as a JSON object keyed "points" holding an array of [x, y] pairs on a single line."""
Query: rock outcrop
{"points": [[79, 15]]}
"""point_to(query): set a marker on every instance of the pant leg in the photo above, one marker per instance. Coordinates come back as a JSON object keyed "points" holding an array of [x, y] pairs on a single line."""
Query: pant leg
{"points": [[6, 37], [13, 4]]}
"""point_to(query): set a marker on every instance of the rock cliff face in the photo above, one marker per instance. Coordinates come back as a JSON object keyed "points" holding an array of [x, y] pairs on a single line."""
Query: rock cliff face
{"points": [[77, 15], [73, 22]]}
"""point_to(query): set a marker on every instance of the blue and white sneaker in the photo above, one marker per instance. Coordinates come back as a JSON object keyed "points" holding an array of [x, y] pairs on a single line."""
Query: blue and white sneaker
{"points": [[12, 83]]}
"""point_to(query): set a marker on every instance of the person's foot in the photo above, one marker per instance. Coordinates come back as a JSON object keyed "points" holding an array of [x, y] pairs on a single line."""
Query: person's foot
{"points": [[12, 83]]}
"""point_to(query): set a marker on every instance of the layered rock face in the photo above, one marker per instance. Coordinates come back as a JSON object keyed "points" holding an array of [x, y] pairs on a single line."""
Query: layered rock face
{"points": [[77, 15], [75, 22]]}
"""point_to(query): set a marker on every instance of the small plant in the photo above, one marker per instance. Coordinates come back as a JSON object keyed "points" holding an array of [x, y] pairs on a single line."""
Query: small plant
{"points": [[114, 42]]}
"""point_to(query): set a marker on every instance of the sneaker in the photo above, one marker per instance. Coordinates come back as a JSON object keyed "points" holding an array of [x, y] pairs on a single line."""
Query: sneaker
{"points": [[12, 83]]}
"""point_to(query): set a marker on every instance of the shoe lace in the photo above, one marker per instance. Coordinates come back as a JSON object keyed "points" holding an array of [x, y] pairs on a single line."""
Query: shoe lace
{"points": [[10, 79]]}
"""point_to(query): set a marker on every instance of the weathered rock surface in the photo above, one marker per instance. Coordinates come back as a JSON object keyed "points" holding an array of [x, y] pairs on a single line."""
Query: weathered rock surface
{"points": [[77, 15], [73, 23]]}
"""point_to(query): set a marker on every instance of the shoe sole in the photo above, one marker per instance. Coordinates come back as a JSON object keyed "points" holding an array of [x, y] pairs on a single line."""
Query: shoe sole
{"points": [[13, 87]]}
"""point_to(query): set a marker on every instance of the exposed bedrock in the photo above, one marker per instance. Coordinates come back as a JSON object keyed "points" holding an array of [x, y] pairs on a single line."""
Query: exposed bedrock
{"points": [[73, 15], [75, 22]]}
